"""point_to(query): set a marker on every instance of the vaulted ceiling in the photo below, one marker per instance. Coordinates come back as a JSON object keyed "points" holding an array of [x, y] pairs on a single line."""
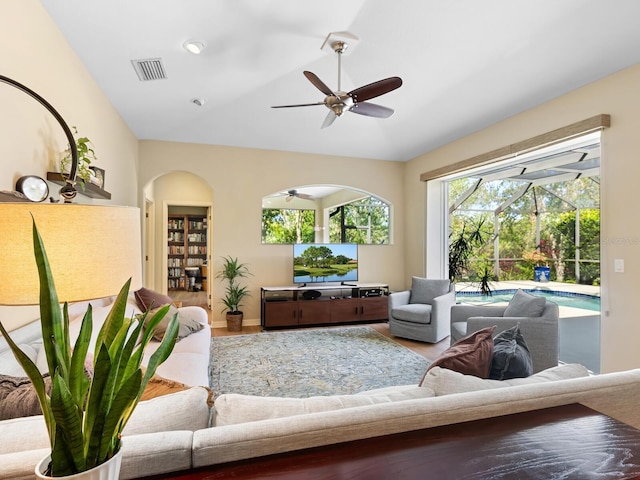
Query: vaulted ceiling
{"points": [[465, 65]]}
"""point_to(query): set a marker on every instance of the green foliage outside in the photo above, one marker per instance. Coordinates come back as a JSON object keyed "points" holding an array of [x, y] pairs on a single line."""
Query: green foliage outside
{"points": [[366, 221], [288, 225], [472, 227], [563, 229]]}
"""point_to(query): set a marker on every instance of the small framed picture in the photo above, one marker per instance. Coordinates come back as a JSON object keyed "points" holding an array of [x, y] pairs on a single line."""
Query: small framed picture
{"points": [[98, 176]]}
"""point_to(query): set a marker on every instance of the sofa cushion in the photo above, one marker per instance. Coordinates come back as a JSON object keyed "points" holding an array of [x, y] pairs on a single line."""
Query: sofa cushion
{"points": [[185, 410], [471, 355], [98, 317], [18, 398], [445, 382], [511, 356], [413, 312], [231, 408], [147, 299], [24, 433], [187, 324], [182, 411], [424, 290], [10, 366], [523, 304]]}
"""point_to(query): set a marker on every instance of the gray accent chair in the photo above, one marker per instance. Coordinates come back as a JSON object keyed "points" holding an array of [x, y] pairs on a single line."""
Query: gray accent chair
{"points": [[540, 333], [422, 313]]}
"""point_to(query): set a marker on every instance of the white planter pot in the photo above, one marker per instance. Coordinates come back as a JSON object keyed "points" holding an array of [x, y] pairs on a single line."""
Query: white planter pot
{"points": [[109, 470]]}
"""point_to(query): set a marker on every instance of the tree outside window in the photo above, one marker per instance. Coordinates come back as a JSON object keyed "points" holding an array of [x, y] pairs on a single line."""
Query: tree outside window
{"points": [[288, 225]]}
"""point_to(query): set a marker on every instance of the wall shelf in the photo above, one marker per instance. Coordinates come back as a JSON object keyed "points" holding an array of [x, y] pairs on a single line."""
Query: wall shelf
{"points": [[90, 190]]}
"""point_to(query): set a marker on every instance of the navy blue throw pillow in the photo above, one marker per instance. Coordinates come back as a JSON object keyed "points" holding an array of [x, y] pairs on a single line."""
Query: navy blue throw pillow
{"points": [[511, 356]]}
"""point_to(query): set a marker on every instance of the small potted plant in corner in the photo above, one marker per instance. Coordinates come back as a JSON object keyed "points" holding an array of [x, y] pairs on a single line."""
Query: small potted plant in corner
{"points": [[85, 155], [85, 414], [231, 271]]}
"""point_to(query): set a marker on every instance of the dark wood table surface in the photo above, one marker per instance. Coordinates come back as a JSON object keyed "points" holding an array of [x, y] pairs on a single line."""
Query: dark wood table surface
{"points": [[567, 442]]}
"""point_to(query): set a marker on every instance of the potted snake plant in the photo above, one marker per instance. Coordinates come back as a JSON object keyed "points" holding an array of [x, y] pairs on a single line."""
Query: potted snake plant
{"points": [[86, 413]]}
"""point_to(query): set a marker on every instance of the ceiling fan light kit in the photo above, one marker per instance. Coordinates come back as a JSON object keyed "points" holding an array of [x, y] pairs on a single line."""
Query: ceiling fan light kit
{"points": [[338, 101]]}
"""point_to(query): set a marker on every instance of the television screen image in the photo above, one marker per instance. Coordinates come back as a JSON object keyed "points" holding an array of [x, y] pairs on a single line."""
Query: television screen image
{"points": [[325, 262]]}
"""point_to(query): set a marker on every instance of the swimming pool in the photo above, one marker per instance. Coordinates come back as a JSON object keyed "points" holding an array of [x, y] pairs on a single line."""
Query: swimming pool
{"points": [[564, 299]]}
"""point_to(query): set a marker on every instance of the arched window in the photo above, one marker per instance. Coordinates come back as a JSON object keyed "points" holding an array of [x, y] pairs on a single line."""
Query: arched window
{"points": [[325, 214]]}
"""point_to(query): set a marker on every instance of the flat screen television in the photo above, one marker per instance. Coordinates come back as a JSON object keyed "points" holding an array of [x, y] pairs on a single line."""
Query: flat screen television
{"points": [[325, 262]]}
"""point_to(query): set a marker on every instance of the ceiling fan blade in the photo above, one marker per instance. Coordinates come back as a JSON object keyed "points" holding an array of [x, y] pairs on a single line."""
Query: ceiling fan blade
{"points": [[329, 119], [375, 89], [289, 198], [371, 110], [298, 105], [319, 84], [304, 196]]}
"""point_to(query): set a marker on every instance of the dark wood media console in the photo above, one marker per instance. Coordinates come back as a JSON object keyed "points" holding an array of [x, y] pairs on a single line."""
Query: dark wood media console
{"points": [[282, 307]]}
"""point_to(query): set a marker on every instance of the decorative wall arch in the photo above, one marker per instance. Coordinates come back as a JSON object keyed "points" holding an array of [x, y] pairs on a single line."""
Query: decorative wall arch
{"points": [[325, 214]]}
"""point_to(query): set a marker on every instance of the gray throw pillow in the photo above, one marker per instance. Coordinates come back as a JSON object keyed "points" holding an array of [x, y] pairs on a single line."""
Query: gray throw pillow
{"points": [[424, 290], [524, 305], [187, 325], [511, 356]]}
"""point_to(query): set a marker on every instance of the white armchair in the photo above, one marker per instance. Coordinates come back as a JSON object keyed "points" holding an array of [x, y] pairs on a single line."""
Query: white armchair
{"points": [[424, 312]]}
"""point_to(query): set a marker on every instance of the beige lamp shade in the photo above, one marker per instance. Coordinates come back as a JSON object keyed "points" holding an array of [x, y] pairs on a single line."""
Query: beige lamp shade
{"points": [[92, 249]]}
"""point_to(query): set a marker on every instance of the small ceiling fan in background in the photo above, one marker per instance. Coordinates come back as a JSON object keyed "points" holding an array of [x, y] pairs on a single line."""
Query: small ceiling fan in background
{"points": [[291, 194], [339, 102]]}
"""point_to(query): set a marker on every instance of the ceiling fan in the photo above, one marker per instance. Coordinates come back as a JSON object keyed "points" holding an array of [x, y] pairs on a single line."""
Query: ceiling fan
{"points": [[339, 102], [291, 194]]}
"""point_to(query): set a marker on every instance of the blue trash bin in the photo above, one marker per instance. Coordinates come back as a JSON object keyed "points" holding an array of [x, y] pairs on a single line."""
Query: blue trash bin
{"points": [[542, 274]]}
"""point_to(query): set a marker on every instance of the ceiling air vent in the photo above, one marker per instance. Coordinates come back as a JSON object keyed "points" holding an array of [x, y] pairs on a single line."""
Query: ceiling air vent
{"points": [[149, 69]]}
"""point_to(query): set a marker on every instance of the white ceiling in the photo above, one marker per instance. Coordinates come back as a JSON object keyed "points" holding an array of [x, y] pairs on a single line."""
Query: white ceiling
{"points": [[465, 64]]}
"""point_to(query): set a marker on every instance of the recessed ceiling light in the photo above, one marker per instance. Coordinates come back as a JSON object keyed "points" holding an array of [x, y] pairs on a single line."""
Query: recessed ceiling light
{"points": [[194, 47], [198, 101]]}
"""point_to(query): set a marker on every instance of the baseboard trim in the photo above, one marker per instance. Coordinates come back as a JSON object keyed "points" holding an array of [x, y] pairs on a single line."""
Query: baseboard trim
{"points": [[248, 322]]}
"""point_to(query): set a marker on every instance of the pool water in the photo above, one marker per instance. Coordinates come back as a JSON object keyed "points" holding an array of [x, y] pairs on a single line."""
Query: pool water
{"points": [[563, 299]]}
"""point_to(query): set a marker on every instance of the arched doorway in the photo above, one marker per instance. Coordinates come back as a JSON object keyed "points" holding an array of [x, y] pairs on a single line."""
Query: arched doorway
{"points": [[169, 197]]}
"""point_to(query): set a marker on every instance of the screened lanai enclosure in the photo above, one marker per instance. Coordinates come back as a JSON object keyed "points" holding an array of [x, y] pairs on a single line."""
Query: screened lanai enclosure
{"points": [[533, 223], [537, 219]]}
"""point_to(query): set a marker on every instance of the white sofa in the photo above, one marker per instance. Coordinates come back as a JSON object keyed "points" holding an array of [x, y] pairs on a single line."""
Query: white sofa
{"points": [[175, 432], [192, 351]]}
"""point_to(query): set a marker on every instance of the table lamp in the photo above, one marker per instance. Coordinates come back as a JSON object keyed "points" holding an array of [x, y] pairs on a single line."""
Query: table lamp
{"points": [[92, 250]]}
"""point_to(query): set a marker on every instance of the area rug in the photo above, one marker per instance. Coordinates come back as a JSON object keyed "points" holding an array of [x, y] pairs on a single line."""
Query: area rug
{"points": [[308, 362]]}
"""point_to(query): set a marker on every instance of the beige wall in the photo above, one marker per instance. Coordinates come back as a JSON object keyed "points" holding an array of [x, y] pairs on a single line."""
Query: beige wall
{"points": [[34, 52], [239, 178], [616, 95]]}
